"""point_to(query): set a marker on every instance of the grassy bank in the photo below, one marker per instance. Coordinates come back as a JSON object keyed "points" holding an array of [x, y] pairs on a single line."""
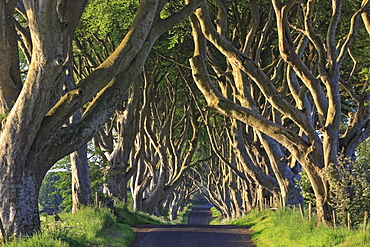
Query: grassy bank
{"points": [[287, 228], [91, 227]]}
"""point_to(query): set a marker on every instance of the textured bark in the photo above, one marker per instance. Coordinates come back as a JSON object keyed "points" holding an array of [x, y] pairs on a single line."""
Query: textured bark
{"points": [[120, 170], [10, 82], [169, 142], [25, 168], [318, 81], [81, 192], [217, 187], [289, 190], [180, 197], [33, 137], [19, 204]]}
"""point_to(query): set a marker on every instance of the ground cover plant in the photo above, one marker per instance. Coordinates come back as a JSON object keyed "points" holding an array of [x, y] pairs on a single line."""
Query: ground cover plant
{"points": [[90, 227], [285, 227]]}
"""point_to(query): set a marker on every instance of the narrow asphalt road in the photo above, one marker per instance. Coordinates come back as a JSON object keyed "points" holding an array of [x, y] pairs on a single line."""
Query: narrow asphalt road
{"points": [[198, 233]]}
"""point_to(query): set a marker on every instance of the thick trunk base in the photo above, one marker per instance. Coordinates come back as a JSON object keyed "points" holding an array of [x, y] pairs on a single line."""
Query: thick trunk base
{"points": [[19, 210]]}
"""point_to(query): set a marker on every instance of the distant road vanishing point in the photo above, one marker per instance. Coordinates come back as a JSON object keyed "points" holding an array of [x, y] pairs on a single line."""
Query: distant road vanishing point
{"points": [[198, 233]]}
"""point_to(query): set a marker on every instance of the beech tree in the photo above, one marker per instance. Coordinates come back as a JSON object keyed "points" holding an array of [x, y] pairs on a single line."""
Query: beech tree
{"points": [[92, 46], [286, 72], [168, 139], [117, 138], [180, 197], [301, 85], [33, 136]]}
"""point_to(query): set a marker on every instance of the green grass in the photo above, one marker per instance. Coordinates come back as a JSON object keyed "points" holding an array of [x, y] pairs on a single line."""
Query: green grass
{"points": [[285, 227], [183, 216], [89, 227]]}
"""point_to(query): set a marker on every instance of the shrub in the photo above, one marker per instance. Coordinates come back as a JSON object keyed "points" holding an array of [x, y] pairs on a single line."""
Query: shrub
{"points": [[350, 189]]}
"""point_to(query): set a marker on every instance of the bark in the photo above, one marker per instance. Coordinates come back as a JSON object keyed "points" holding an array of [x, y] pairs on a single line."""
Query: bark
{"points": [[289, 190], [299, 148], [81, 190], [139, 181], [313, 85], [251, 164], [169, 136], [180, 197], [120, 170], [33, 137], [22, 178], [216, 187], [10, 82], [238, 139]]}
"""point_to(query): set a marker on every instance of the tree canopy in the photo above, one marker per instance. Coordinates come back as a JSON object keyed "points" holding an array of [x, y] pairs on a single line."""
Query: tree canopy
{"points": [[235, 98]]}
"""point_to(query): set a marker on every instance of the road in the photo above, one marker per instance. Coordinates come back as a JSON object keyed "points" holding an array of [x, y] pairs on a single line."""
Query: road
{"points": [[198, 233]]}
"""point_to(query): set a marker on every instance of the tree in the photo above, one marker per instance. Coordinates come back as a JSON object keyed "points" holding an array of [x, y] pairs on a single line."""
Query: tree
{"points": [[168, 139], [92, 46], [81, 193], [33, 136], [300, 87]]}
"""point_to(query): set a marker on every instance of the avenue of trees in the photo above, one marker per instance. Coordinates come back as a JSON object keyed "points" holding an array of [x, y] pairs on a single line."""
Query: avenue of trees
{"points": [[232, 99]]}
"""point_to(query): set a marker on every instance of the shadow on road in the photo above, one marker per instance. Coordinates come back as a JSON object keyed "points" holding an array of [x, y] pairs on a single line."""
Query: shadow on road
{"points": [[200, 215], [198, 233]]}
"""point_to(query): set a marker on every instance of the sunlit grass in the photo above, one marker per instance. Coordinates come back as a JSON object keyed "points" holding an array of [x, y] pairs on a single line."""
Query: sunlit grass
{"points": [[89, 227], [285, 227]]}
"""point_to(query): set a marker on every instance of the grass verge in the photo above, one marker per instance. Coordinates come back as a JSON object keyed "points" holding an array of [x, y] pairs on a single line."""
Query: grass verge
{"points": [[89, 227], [183, 216], [285, 227]]}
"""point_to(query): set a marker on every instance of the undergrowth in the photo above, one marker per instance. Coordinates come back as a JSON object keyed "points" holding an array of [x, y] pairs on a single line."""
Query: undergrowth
{"points": [[89, 227], [285, 227]]}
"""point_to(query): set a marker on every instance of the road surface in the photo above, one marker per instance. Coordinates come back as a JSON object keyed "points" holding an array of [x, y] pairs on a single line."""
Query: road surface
{"points": [[198, 233]]}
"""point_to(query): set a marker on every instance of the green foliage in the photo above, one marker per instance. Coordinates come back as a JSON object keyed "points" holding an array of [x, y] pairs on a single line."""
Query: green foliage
{"points": [[96, 168], [125, 214], [63, 186], [183, 216], [177, 34], [217, 220], [363, 154], [60, 185], [49, 195], [108, 18], [350, 188], [2, 116], [102, 27], [306, 189], [350, 185]]}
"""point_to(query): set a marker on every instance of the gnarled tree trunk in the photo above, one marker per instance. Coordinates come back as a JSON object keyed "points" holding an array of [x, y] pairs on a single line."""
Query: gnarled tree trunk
{"points": [[32, 136]]}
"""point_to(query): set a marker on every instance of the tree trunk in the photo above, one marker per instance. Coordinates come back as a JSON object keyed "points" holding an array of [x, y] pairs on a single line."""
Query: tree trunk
{"points": [[128, 122], [10, 81], [284, 175], [19, 200], [33, 137], [139, 181], [81, 190]]}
